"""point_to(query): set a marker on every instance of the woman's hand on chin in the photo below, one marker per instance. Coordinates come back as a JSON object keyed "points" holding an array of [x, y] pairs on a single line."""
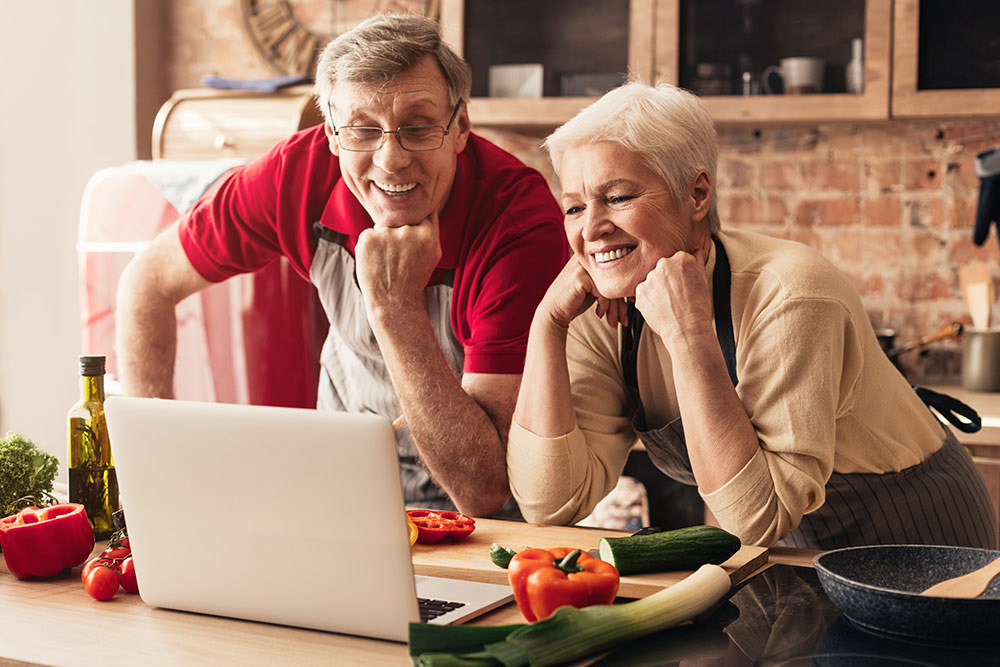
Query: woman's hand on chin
{"points": [[675, 299], [572, 293]]}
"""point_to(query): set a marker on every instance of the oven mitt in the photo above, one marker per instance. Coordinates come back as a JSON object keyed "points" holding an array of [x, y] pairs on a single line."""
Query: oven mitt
{"points": [[988, 211]]}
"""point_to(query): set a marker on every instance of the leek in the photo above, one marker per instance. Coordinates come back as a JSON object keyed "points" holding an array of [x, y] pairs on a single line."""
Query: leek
{"points": [[569, 633]]}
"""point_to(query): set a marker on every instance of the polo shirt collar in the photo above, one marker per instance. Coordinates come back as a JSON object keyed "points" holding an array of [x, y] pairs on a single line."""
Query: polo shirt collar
{"points": [[343, 212]]}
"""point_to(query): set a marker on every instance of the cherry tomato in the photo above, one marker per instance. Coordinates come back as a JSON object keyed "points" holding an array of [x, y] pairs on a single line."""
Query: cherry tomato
{"points": [[128, 580], [434, 526], [101, 582], [92, 563], [116, 552]]}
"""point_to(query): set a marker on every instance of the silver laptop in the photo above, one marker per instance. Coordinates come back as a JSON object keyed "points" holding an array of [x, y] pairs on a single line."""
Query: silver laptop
{"points": [[280, 515]]}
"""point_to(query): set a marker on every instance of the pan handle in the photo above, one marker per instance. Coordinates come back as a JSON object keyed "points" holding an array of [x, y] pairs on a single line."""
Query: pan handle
{"points": [[955, 329]]}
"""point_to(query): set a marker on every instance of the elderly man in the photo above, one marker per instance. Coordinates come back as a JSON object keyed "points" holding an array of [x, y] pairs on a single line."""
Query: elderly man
{"points": [[418, 236]]}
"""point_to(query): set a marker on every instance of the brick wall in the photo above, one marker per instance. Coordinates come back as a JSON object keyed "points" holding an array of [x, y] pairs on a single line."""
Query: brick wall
{"points": [[890, 204]]}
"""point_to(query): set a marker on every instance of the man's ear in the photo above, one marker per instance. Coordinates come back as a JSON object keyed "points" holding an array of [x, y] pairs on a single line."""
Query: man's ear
{"points": [[331, 138], [464, 126], [701, 195]]}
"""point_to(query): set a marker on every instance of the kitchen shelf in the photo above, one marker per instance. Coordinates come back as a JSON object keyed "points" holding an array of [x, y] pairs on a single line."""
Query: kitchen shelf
{"points": [[872, 104], [549, 111], [909, 99], [653, 53]]}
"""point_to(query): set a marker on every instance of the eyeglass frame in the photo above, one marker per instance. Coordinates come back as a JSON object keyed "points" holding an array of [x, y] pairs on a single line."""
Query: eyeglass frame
{"points": [[446, 128]]}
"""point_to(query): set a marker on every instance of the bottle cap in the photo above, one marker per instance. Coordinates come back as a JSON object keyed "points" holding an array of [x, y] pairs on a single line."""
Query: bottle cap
{"points": [[91, 365]]}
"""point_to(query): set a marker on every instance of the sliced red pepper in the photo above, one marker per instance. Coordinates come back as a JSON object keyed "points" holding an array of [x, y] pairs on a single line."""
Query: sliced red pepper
{"points": [[434, 526], [44, 542], [545, 579]]}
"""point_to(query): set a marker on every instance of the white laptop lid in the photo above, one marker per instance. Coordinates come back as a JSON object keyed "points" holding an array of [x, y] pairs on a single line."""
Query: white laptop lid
{"points": [[282, 515]]}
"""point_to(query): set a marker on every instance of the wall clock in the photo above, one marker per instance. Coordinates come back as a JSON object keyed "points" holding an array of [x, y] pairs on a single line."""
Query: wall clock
{"points": [[289, 38]]}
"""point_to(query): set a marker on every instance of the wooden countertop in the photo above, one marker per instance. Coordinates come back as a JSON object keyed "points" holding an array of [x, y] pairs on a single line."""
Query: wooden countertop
{"points": [[55, 622]]}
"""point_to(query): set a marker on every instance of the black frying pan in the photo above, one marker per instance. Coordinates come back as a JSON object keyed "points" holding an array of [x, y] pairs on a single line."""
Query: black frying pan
{"points": [[878, 588]]}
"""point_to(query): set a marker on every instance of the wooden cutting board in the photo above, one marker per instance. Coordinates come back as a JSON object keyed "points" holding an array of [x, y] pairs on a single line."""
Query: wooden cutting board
{"points": [[470, 558]]}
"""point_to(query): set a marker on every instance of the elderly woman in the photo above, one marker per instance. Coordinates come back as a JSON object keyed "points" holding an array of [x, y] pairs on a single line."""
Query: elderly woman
{"points": [[796, 427]]}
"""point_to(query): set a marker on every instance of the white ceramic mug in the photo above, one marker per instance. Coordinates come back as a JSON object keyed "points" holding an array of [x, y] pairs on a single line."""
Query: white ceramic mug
{"points": [[799, 75]]}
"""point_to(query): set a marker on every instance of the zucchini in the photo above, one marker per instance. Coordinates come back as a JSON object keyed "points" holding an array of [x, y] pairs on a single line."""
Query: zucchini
{"points": [[501, 556], [681, 549]]}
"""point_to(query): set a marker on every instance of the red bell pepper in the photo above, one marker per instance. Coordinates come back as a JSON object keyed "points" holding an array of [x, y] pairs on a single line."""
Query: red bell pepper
{"points": [[434, 525], [545, 579], [44, 542]]}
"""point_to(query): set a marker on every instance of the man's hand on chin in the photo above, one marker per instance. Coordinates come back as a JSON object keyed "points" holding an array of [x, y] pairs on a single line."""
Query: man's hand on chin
{"points": [[395, 263]]}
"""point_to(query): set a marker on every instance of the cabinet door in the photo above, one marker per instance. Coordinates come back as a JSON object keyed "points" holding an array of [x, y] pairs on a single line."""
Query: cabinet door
{"points": [[583, 48], [946, 58], [700, 44]]}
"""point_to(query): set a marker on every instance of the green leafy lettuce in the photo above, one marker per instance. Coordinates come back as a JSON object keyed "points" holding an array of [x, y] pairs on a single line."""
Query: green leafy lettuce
{"points": [[26, 473]]}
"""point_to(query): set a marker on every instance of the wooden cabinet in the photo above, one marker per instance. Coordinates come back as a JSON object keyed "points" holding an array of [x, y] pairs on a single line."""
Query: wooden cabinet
{"points": [[567, 37], [203, 124], [946, 59], [664, 37], [823, 30], [655, 35]]}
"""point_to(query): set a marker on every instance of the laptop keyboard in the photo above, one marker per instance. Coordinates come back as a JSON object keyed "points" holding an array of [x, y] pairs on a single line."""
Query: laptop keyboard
{"points": [[430, 609]]}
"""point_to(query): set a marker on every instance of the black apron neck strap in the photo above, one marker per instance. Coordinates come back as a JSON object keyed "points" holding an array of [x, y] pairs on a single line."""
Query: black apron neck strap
{"points": [[721, 287]]}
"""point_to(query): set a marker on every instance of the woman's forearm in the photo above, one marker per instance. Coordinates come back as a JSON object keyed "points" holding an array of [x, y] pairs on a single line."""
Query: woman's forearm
{"points": [[545, 401], [720, 438]]}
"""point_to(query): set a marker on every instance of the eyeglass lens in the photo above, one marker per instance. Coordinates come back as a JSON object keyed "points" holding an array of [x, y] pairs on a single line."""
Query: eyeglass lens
{"points": [[412, 138]]}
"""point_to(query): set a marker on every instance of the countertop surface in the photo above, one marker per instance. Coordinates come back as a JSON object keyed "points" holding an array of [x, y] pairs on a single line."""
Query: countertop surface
{"points": [[55, 622], [780, 615]]}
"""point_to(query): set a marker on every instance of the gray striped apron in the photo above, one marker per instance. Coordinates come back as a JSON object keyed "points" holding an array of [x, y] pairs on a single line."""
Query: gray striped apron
{"points": [[942, 500], [353, 376]]}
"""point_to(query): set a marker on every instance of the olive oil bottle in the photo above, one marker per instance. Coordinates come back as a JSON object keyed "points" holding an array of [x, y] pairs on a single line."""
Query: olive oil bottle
{"points": [[92, 479]]}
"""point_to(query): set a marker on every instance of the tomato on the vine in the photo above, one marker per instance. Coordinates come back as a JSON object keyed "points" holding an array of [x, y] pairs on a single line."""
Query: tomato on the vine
{"points": [[101, 582], [128, 580], [116, 552], [95, 562]]}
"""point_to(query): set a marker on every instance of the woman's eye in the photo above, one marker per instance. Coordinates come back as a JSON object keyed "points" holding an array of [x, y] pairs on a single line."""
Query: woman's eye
{"points": [[574, 210], [619, 199]]}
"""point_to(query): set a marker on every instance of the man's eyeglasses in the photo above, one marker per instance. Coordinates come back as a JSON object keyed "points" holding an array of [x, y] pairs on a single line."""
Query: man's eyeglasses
{"points": [[411, 137]]}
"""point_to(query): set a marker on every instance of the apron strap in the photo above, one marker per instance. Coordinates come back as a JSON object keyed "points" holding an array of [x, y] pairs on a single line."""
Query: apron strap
{"points": [[630, 354], [951, 409], [721, 284]]}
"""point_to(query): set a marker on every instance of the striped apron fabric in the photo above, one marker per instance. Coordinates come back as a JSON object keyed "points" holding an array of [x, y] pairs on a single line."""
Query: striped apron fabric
{"points": [[942, 500], [353, 376]]}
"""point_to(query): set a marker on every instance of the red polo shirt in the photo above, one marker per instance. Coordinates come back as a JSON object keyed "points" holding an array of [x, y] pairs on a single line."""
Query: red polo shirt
{"points": [[501, 232]]}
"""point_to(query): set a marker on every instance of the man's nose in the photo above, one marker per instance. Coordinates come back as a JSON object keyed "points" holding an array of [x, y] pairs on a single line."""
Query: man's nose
{"points": [[391, 157]]}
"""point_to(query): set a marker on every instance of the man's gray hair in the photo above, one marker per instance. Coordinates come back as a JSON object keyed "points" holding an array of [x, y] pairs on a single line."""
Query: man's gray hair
{"points": [[381, 48], [666, 126]]}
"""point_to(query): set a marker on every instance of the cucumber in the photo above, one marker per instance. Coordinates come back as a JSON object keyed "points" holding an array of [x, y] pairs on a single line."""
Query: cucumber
{"points": [[681, 549]]}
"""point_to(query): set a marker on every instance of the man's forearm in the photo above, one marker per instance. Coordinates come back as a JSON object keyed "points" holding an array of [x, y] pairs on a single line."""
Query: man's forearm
{"points": [[145, 342], [459, 442]]}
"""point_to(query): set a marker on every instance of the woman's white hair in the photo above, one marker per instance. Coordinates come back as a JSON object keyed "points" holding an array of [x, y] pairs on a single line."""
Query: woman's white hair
{"points": [[382, 47], [666, 126]]}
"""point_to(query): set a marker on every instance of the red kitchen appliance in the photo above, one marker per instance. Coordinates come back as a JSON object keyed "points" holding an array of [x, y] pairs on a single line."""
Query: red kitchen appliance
{"points": [[252, 339]]}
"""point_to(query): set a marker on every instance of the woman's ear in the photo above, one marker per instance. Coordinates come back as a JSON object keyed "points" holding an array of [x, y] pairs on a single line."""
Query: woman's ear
{"points": [[701, 195]]}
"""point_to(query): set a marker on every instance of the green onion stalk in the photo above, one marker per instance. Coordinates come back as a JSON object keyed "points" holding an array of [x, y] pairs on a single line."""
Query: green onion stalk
{"points": [[569, 633]]}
